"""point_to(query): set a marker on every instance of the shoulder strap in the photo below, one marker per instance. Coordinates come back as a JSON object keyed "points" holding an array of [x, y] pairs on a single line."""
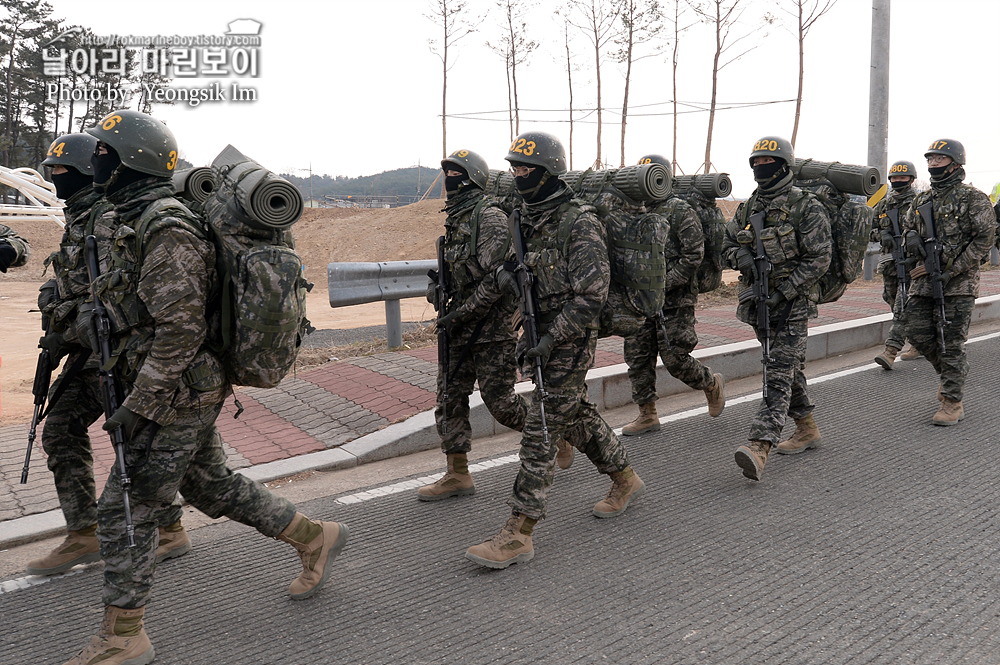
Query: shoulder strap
{"points": [[474, 225], [161, 208]]}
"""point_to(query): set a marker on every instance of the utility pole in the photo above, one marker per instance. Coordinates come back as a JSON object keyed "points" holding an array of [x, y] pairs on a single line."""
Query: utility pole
{"points": [[878, 94], [312, 201]]}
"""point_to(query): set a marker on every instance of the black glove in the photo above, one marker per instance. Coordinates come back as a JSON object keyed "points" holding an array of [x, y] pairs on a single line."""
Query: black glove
{"points": [[543, 350], [130, 421], [48, 293], [914, 245], [55, 344], [507, 282], [432, 295], [744, 260], [873, 235], [450, 320], [7, 255], [85, 326], [775, 300], [945, 278], [887, 239]]}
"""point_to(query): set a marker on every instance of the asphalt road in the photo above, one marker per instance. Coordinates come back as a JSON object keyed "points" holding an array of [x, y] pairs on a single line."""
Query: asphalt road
{"points": [[880, 547]]}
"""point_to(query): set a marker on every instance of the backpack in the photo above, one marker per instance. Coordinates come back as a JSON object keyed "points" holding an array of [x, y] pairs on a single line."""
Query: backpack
{"points": [[713, 226], [850, 226]]}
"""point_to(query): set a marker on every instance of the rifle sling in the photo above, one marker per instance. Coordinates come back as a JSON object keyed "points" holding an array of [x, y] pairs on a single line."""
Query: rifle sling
{"points": [[63, 381]]}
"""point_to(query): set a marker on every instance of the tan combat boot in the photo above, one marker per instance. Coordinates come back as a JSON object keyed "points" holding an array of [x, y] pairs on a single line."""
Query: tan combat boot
{"points": [[909, 353], [174, 542], [456, 481], [949, 413], [716, 396], [564, 456], [887, 357], [318, 544], [752, 458], [626, 487], [806, 436], [121, 641], [79, 547], [646, 422], [512, 545]]}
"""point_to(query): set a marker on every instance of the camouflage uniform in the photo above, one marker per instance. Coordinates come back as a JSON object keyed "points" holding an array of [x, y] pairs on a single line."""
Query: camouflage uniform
{"points": [[570, 290], [890, 276], [800, 258], [965, 224], [482, 322], [20, 245], [684, 252], [158, 303]]}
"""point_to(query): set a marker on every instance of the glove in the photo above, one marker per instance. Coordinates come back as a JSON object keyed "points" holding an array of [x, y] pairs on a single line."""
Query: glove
{"points": [[450, 320], [7, 255], [85, 326], [55, 344], [887, 239], [775, 300], [432, 295], [130, 422], [914, 245], [506, 282], [543, 350], [744, 260], [945, 278], [48, 293]]}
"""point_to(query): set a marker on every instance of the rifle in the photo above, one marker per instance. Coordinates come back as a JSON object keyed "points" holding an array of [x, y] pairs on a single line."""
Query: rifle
{"points": [[111, 389], [40, 389], [529, 319], [761, 291], [662, 320], [444, 354], [897, 254], [932, 263]]}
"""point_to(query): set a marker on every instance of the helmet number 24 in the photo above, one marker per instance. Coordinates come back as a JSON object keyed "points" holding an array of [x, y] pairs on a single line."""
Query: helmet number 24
{"points": [[526, 148]]}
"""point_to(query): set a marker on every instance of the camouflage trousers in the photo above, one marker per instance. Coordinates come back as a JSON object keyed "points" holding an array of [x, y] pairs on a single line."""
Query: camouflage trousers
{"points": [[921, 329], [786, 383], [892, 295], [568, 415], [66, 442], [187, 456], [493, 364], [641, 351]]}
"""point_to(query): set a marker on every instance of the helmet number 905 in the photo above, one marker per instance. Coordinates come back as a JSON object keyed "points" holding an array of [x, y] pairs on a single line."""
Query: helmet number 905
{"points": [[111, 121], [765, 144], [523, 146], [172, 161]]}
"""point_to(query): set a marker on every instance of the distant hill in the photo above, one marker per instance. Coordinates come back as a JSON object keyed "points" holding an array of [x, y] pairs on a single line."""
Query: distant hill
{"points": [[399, 182]]}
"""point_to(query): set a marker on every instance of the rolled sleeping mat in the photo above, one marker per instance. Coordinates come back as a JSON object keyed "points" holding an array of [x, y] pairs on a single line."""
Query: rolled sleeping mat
{"points": [[265, 198], [848, 178], [195, 184], [500, 183], [640, 183], [710, 185]]}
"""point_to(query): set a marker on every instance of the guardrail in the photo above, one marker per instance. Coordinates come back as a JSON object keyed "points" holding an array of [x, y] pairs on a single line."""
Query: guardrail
{"points": [[389, 281], [872, 254]]}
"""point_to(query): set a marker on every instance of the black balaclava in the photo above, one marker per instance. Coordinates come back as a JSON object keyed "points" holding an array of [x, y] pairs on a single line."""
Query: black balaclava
{"points": [[938, 171], [901, 186], [110, 175], [69, 183], [767, 174], [537, 185], [452, 183]]}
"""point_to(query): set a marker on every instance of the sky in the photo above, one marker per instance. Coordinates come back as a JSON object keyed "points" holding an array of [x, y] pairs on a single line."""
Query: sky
{"points": [[352, 88]]}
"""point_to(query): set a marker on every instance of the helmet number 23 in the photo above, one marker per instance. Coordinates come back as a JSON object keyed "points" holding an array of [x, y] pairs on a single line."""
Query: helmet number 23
{"points": [[172, 162], [526, 148]]}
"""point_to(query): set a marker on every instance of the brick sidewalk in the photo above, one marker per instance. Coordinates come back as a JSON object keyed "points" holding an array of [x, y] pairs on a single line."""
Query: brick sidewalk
{"points": [[339, 402]]}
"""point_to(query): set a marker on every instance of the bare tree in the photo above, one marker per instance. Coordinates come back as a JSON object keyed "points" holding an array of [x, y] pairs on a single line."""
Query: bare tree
{"points": [[515, 48], [676, 22], [450, 16], [641, 23], [723, 15], [807, 12], [569, 78], [596, 19]]}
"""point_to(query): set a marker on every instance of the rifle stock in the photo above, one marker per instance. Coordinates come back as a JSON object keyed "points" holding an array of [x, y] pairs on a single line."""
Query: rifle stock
{"points": [[932, 263], [761, 291], [111, 390], [529, 319], [444, 343]]}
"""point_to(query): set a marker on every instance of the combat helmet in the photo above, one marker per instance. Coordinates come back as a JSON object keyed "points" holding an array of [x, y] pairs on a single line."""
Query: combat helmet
{"points": [[903, 167], [538, 149], [471, 163], [142, 142], [773, 146], [949, 147], [72, 150], [654, 159]]}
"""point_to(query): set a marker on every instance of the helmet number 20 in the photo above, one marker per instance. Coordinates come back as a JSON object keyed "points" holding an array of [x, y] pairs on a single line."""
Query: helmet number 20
{"points": [[172, 162], [526, 148]]}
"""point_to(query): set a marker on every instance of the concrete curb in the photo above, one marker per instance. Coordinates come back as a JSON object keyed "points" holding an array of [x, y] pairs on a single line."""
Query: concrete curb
{"points": [[608, 388]]}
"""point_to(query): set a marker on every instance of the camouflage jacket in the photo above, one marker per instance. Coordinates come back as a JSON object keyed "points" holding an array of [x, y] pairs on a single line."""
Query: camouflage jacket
{"points": [[471, 267], [966, 226], [87, 212], [20, 245], [157, 289], [684, 252], [894, 201], [799, 246]]}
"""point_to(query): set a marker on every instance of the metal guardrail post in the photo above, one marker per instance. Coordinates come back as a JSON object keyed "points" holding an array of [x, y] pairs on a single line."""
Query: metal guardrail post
{"points": [[871, 260], [393, 324], [995, 257]]}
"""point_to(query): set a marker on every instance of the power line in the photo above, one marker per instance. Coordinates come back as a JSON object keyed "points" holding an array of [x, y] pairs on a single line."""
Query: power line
{"points": [[589, 112]]}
